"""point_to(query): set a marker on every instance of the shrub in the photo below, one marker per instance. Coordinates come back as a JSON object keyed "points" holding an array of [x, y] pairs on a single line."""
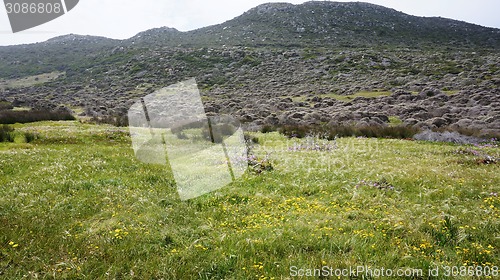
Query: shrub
{"points": [[5, 105], [474, 132], [6, 133], [12, 117], [297, 131], [331, 132], [268, 128], [30, 137], [452, 137]]}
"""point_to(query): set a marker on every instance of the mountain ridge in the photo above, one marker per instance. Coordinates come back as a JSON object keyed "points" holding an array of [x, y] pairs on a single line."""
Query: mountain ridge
{"points": [[314, 24], [304, 24]]}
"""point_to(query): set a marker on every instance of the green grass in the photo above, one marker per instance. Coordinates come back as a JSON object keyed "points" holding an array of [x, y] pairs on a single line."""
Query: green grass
{"points": [[367, 94], [347, 98], [395, 121], [450, 92], [76, 204]]}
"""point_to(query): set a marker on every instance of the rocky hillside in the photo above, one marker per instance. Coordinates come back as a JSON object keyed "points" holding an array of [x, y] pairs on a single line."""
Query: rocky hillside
{"points": [[323, 23], [318, 62], [327, 24]]}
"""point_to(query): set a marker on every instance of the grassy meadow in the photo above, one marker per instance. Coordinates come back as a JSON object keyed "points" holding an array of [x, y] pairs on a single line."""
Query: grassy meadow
{"points": [[75, 203]]}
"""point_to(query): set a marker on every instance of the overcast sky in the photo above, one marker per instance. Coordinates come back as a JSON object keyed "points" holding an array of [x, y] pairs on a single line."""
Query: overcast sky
{"points": [[122, 19]]}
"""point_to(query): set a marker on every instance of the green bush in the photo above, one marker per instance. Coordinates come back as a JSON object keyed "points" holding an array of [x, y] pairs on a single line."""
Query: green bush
{"points": [[5, 105], [268, 128], [6, 133], [30, 137], [12, 117], [330, 132]]}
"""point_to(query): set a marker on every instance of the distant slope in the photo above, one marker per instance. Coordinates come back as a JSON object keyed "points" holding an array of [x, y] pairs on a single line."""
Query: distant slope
{"points": [[63, 53]]}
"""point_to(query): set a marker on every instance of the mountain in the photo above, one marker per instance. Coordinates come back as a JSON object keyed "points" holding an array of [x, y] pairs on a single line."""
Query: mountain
{"points": [[323, 23], [278, 64], [279, 25]]}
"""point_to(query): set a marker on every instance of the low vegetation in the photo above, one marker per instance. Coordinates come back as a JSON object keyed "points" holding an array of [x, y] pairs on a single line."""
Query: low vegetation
{"points": [[8, 134], [332, 132], [12, 117]]}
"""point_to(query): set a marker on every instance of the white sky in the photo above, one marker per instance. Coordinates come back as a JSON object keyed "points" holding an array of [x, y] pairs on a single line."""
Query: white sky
{"points": [[121, 19]]}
